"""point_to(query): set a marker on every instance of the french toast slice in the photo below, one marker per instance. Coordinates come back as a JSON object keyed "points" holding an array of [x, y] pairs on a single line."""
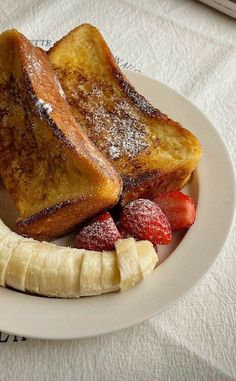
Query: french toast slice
{"points": [[151, 152], [53, 172]]}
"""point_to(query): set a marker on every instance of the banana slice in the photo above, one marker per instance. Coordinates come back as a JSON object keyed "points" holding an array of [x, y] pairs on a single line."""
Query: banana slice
{"points": [[110, 272], [54, 271], [4, 229], [32, 279], [147, 257], [49, 275], [69, 273], [128, 263], [18, 264], [91, 274], [8, 242]]}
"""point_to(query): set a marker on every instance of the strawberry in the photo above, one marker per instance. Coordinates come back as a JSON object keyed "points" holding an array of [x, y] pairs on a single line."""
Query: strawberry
{"points": [[124, 233], [100, 234], [178, 207], [143, 219]]}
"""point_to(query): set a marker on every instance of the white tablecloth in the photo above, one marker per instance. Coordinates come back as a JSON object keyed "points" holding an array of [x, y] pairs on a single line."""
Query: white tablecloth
{"points": [[192, 48]]}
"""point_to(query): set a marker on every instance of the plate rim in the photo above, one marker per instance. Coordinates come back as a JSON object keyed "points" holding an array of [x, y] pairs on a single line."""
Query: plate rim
{"points": [[135, 76]]}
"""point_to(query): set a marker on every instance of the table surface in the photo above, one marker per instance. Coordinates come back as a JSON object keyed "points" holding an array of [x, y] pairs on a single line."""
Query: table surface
{"points": [[191, 48]]}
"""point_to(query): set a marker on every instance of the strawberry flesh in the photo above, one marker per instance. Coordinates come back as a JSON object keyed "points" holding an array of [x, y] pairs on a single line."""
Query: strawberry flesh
{"points": [[178, 207], [144, 220], [100, 234]]}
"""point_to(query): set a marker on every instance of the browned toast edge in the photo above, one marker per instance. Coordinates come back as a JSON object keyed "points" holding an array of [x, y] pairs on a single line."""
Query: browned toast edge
{"points": [[39, 225]]}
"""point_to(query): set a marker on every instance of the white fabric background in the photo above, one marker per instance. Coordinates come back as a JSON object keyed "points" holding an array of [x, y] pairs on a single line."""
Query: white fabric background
{"points": [[192, 48]]}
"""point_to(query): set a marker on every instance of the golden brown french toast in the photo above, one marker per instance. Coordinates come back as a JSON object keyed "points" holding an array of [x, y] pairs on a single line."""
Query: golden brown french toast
{"points": [[52, 170], [151, 152]]}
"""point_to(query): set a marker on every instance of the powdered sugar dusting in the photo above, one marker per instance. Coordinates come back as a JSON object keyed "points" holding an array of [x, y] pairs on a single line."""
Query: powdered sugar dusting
{"points": [[61, 92], [143, 219], [34, 66], [99, 234], [41, 105], [121, 128], [107, 115], [60, 88]]}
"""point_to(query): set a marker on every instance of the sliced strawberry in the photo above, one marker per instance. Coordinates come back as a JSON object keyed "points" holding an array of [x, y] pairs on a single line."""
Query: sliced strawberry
{"points": [[100, 234], [143, 219], [178, 207]]}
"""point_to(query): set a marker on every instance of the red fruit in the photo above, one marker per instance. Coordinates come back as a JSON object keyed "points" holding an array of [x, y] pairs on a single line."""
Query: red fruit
{"points": [[124, 234], [178, 208], [99, 234], [143, 219]]}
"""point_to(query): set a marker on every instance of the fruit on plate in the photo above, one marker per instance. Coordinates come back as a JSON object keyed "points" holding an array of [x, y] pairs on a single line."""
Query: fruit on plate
{"points": [[99, 234], [18, 264], [6, 248], [60, 274], [128, 262], [36, 267], [53, 172], [178, 207], [110, 272], [147, 257], [91, 274], [43, 268], [150, 151], [144, 220]]}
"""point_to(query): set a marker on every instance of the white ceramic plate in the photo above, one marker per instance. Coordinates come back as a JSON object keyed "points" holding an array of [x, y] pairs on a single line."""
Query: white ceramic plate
{"points": [[212, 186]]}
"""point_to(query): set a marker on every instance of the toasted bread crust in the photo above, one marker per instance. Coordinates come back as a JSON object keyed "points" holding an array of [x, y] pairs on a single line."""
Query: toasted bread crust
{"points": [[48, 134], [151, 165], [64, 217]]}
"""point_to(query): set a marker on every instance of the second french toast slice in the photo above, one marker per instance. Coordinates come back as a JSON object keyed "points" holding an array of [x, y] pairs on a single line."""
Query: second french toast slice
{"points": [[53, 172], [151, 152]]}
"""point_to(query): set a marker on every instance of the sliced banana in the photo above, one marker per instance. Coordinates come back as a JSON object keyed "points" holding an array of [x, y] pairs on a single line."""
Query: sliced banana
{"points": [[46, 269], [128, 263], [8, 242], [54, 271], [36, 265], [147, 257], [110, 272], [91, 274], [69, 273], [49, 275], [18, 264], [4, 229]]}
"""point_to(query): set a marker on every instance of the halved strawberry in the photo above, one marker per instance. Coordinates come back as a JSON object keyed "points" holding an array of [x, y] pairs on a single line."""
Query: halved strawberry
{"points": [[143, 219], [178, 207], [99, 234]]}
